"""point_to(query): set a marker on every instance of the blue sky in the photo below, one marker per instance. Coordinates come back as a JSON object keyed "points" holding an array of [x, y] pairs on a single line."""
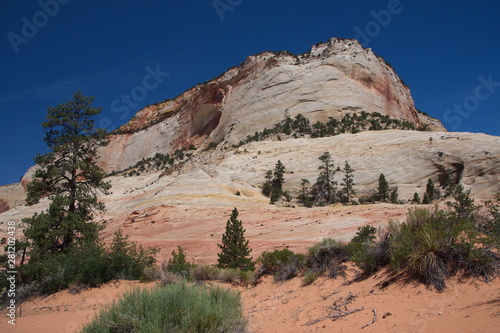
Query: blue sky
{"points": [[448, 52]]}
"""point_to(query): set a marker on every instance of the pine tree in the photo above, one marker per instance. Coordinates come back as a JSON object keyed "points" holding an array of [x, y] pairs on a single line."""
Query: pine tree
{"points": [[268, 184], [426, 200], [277, 181], [416, 198], [234, 247], [394, 195], [383, 188], [304, 196], [348, 181], [431, 190], [70, 177], [324, 189]]}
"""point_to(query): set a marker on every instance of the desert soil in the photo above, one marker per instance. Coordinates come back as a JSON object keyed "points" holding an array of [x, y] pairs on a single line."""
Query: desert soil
{"points": [[467, 306]]}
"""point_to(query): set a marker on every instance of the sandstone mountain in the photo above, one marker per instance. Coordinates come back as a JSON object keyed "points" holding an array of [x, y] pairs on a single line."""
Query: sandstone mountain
{"points": [[333, 79]]}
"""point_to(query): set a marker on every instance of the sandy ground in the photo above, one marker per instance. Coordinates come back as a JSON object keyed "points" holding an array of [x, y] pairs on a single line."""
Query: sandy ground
{"points": [[467, 306], [199, 228]]}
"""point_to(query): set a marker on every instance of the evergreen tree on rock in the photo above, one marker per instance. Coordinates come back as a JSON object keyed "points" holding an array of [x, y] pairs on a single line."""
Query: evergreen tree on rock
{"points": [[383, 188]]}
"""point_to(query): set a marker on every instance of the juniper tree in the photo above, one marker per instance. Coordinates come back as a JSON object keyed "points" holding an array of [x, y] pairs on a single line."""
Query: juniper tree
{"points": [[394, 195], [234, 248], [348, 183], [416, 198], [69, 176]]}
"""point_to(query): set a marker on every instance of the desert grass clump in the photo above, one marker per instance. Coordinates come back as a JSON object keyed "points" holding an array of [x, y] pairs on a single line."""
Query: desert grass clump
{"points": [[309, 277], [173, 308]]}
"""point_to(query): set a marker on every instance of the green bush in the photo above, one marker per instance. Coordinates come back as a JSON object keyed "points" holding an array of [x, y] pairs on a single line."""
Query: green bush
{"points": [[271, 261], [367, 252], [88, 265], [326, 255], [309, 277], [178, 263], [204, 273], [173, 308], [282, 264], [433, 245]]}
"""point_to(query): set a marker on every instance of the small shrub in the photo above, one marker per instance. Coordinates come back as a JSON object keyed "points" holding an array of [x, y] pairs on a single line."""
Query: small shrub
{"points": [[247, 277], [229, 275], [291, 269], [167, 277], [309, 277], [271, 261], [173, 308], [204, 273], [325, 254]]}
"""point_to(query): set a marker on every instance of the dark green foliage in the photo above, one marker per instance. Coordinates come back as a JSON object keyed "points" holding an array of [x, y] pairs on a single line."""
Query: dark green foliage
{"points": [[64, 241], [267, 188], [273, 186], [426, 200], [89, 265], [177, 307], [350, 123], [383, 188], [463, 205], [416, 198], [348, 184], [178, 263], [431, 191], [272, 262], [70, 177], [234, 248], [211, 146], [491, 224], [368, 253], [304, 197], [127, 260], [324, 190], [433, 245], [394, 195]]}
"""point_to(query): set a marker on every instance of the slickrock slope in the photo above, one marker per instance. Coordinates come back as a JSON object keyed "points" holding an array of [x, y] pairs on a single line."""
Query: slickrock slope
{"points": [[189, 205], [334, 78]]}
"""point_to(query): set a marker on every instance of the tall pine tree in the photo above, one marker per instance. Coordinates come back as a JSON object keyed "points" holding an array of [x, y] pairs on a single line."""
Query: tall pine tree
{"points": [[383, 188], [348, 184], [234, 248], [69, 176], [325, 187]]}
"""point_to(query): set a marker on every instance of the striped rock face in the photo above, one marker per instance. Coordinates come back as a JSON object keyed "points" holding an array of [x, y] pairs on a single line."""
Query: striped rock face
{"points": [[333, 79]]}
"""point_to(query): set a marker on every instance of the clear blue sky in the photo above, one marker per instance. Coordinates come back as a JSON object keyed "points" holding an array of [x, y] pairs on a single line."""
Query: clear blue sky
{"points": [[448, 52]]}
